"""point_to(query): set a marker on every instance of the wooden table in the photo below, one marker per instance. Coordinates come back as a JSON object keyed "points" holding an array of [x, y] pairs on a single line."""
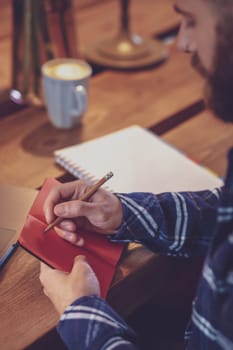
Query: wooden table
{"points": [[167, 99], [149, 98], [210, 141]]}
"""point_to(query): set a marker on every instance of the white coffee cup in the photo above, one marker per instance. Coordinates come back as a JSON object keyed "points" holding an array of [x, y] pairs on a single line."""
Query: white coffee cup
{"points": [[65, 87]]}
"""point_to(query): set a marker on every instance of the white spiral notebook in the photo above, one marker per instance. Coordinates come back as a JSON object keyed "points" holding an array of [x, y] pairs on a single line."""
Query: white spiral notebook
{"points": [[140, 161]]}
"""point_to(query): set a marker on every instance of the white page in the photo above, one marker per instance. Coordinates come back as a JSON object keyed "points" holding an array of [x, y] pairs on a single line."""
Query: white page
{"points": [[140, 161]]}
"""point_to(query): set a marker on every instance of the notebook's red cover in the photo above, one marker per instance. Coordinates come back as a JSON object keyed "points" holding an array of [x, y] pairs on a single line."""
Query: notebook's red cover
{"points": [[101, 254]]}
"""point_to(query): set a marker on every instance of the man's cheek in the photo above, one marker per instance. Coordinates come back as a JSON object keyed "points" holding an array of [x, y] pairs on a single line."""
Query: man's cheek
{"points": [[198, 66]]}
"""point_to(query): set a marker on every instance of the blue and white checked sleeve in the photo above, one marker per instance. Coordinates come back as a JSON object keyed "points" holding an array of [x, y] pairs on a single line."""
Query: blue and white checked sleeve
{"points": [[91, 324], [175, 224]]}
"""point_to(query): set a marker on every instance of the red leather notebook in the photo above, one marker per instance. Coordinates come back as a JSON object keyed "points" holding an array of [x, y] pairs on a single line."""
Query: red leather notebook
{"points": [[101, 254]]}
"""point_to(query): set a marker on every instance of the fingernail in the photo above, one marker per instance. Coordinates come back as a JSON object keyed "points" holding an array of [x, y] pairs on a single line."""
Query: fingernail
{"points": [[60, 210], [80, 242], [69, 236], [65, 225]]}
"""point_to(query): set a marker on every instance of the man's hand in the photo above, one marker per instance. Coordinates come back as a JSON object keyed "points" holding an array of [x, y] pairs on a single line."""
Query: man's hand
{"points": [[64, 288], [102, 213]]}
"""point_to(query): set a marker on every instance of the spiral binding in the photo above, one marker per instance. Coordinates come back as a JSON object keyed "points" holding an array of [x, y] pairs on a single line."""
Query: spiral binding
{"points": [[77, 171]]}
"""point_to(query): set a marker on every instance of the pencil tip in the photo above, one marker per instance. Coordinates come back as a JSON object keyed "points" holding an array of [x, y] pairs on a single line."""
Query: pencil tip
{"points": [[109, 175]]}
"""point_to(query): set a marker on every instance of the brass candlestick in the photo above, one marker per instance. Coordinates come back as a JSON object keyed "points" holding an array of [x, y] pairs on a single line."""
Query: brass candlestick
{"points": [[126, 50]]}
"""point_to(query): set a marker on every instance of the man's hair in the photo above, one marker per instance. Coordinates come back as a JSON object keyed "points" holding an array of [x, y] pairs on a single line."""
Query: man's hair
{"points": [[221, 6], [224, 11], [220, 83], [221, 3]]}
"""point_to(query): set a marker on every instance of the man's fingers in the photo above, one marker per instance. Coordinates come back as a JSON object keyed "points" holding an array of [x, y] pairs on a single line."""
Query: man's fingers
{"points": [[82, 268], [44, 290], [71, 209], [77, 209], [47, 273], [62, 192], [86, 276], [54, 197], [44, 270], [68, 225], [79, 259], [70, 237], [73, 189], [80, 264]]}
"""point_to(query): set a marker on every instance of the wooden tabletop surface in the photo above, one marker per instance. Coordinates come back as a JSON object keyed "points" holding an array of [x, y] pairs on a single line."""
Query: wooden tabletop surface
{"points": [[167, 99], [147, 98], [209, 142]]}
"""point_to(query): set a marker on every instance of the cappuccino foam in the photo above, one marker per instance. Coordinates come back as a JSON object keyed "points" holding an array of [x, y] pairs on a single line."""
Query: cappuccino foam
{"points": [[67, 71]]}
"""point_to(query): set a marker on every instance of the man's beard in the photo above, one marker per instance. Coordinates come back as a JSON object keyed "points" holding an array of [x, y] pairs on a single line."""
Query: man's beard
{"points": [[219, 85]]}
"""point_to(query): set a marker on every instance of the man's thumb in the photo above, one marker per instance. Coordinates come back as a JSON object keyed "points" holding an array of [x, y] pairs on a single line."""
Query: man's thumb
{"points": [[80, 262]]}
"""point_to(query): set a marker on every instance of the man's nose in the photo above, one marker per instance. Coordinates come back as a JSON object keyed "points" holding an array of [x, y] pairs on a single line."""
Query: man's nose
{"points": [[184, 41]]}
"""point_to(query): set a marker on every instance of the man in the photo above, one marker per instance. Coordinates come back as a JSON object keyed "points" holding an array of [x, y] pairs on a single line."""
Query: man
{"points": [[183, 224]]}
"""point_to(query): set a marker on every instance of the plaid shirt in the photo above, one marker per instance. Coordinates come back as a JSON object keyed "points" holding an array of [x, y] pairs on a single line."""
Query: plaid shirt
{"points": [[176, 224]]}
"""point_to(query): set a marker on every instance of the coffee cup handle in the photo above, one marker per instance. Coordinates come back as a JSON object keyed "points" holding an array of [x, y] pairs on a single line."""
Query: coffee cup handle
{"points": [[81, 96]]}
